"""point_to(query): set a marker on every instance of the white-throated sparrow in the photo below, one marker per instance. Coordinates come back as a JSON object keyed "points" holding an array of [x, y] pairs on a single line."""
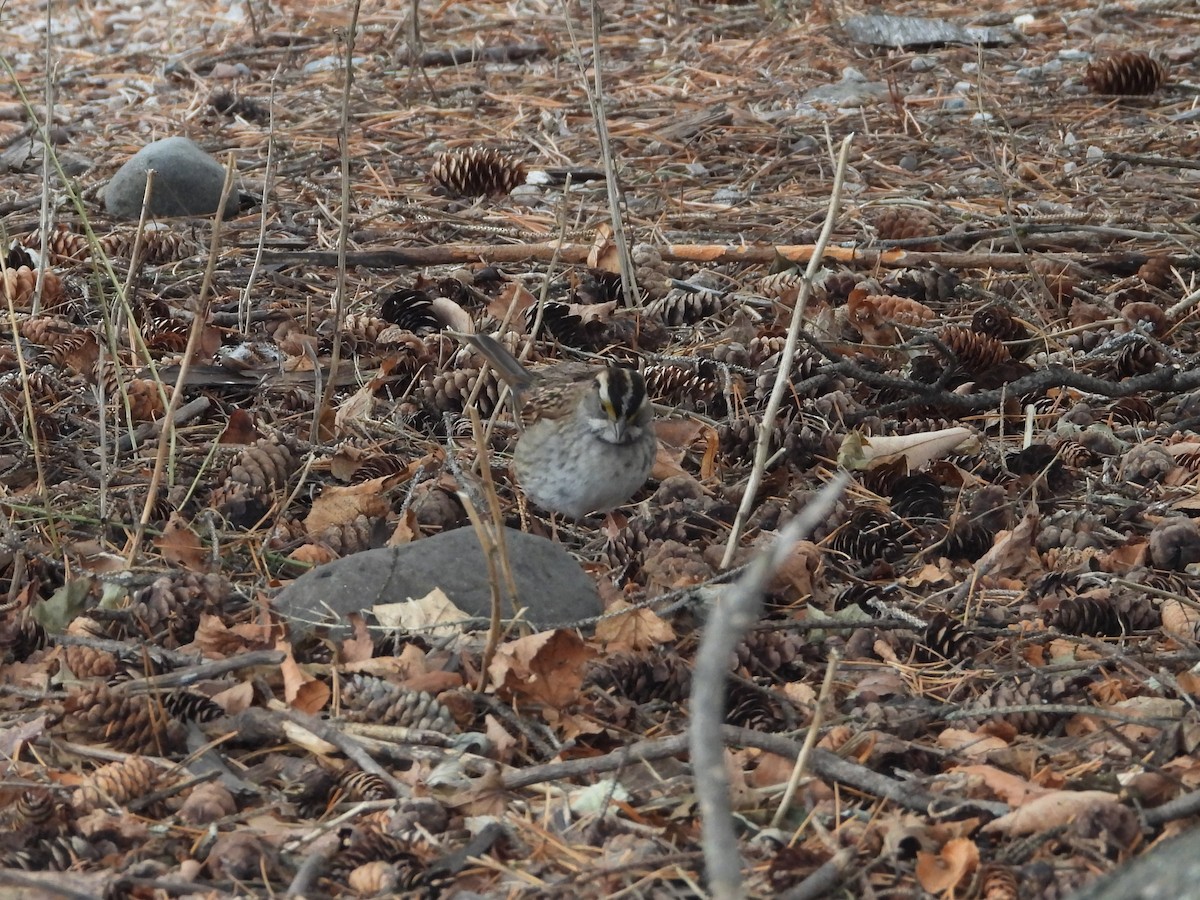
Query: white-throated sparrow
{"points": [[587, 441]]}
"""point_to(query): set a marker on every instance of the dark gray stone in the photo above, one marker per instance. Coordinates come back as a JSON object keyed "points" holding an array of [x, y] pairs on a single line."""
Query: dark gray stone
{"points": [[550, 583], [187, 182]]}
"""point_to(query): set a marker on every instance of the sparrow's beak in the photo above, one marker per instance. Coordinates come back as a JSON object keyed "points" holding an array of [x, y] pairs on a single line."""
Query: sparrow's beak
{"points": [[618, 427]]}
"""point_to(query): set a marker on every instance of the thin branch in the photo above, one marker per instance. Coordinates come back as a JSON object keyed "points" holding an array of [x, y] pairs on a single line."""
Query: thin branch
{"points": [[767, 426], [729, 619]]}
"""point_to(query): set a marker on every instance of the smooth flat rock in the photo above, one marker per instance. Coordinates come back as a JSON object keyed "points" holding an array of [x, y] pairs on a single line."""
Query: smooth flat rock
{"points": [[550, 582], [187, 182]]}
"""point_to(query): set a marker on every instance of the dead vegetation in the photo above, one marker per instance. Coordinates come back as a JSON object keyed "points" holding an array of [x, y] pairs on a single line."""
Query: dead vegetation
{"points": [[989, 643]]}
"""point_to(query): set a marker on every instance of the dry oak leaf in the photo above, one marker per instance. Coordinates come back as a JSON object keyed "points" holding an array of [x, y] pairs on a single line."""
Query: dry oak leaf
{"points": [[180, 545], [626, 628], [339, 505], [433, 611], [217, 640], [1012, 789], [514, 295], [798, 570], [861, 452], [603, 254], [1012, 549], [944, 871], [970, 743], [1049, 811], [547, 667], [312, 555], [240, 429], [301, 690]]}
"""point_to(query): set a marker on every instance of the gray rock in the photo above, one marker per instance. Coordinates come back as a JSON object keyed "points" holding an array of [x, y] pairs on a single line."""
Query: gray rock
{"points": [[187, 182], [550, 582]]}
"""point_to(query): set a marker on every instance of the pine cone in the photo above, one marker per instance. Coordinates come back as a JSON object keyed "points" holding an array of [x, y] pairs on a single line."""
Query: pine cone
{"points": [[1023, 693], [870, 535], [123, 721], [117, 783], [477, 172], [998, 322], [1127, 73], [973, 352], [1095, 616], [898, 223], [691, 387], [359, 786], [643, 677], [366, 698], [362, 846], [779, 654], [918, 496], [680, 306]]}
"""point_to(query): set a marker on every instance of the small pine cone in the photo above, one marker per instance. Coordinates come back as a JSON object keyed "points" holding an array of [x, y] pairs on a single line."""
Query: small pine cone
{"points": [[267, 464], [870, 598], [804, 366], [967, 539], [1135, 358], [1125, 74], [362, 533], [1174, 543], [361, 330], [366, 698], [651, 272], [870, 535], [625, 548], [188, 706], [748, 707], [764, 347], [1095, 616], [934, 285], [682, 306], [477, 172], [20, 636], [1156, 271], [1146, 463], [643, 677], [169, 609], [692, 387], [87, 663], [998, 322], [836, 287], [899, 223], [728, 353], [782, 286], [359, 786], [918, 496], [380, 466], [1075, 455], [366, 845], [62, 246], [974, 353], [779, 654], [1130, 411], [1023, 693], [123, 721], [17, 287], [241, 505], [998, 882], [117, 784], [448, 391], [567, 327]]}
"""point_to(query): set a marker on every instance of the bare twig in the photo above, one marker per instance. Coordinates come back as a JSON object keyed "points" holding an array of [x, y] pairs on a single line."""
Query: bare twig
{"points": [[766, 429], [728, 621]]}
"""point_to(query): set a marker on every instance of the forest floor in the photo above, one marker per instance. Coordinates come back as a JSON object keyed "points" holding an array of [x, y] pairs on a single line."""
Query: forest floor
{"points": [[989, 644]]}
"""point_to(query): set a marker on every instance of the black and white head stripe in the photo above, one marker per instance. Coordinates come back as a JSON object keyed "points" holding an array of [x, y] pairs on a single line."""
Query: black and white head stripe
{"points": [[622, 392]]}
